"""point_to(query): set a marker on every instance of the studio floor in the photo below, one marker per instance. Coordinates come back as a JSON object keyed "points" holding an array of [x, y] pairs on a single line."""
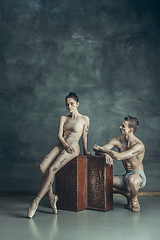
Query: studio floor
{"points": [[118, 223]]}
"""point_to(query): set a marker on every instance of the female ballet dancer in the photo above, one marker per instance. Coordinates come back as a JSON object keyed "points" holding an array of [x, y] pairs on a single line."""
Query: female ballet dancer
{"points": [[71, 128]]}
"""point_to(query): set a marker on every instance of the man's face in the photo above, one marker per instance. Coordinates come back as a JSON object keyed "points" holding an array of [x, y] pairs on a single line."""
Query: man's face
{"points": [[124, 128], [71, 105]]}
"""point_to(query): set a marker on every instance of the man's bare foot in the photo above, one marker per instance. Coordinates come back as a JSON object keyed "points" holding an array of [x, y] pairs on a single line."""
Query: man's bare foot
{"points": [[135, 207]]}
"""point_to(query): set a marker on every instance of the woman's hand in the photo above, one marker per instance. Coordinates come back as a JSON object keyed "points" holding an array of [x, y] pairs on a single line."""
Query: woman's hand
{"points": [[69, 149]]}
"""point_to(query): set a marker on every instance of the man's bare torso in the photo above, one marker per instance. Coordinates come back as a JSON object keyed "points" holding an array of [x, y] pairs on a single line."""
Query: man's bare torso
{"points": [[135, 162]]}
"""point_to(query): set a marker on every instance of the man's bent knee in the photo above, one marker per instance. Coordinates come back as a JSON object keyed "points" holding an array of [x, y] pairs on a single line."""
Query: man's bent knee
{"points": [[130, 180], [133, 182]]}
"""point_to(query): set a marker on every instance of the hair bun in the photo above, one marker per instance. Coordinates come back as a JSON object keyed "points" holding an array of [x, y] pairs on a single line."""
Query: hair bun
{"points": [[73, 95]]}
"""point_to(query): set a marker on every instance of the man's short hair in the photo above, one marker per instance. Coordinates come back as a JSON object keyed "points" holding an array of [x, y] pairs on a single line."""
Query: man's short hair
{"points": [[132, 122]]}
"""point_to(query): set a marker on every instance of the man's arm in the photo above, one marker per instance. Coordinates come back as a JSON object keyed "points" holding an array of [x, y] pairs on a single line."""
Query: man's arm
{"points": [[102, 150], [112, 143], [135, 150]]}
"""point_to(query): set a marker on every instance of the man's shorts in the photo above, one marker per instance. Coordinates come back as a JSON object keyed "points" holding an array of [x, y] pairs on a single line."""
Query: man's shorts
{"points": [[124, 177]]}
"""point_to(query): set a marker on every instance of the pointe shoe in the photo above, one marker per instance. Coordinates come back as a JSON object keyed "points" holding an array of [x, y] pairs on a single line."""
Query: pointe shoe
{"points": [[135, 207], [53, 200], [31, 212]]}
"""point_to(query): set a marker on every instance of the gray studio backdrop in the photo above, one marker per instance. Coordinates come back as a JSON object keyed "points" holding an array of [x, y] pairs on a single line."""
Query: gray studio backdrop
{"points": [[106, 51]]}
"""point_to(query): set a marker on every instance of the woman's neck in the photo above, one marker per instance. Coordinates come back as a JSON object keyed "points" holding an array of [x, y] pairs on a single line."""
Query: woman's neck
{"points": [[75, 115]]}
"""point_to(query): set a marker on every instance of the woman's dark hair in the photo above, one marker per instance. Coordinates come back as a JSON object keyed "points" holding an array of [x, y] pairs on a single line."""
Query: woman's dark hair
{"points": [[72, 95], [132, 122]]}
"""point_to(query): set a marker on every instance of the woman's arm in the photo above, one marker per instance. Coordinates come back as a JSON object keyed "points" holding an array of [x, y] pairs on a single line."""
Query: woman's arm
{"points": [[60, 135], [84, 136]]}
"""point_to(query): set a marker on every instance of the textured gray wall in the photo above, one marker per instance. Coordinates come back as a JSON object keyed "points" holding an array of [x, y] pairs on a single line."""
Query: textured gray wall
{"points": [[106, 51]]}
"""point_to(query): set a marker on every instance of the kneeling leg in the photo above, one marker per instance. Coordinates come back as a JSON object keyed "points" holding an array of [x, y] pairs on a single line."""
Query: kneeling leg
{"points": [[134, 183], [119, 188]]}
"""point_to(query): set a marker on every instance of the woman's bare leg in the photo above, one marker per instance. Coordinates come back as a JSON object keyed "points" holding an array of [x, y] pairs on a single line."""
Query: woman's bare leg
{"points": [[44, 166], [47, 161], [61, 160]]}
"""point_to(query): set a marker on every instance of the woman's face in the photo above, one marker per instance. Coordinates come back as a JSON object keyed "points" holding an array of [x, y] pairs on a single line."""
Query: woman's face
{"points": [[71, 105]]}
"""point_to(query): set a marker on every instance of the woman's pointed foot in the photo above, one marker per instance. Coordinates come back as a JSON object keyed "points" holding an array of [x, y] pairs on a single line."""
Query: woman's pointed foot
{"points": [[32, 209], [53, 200]]}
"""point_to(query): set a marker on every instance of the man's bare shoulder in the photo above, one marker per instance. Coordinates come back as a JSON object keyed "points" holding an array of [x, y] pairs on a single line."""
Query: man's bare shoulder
{"points": [[139, 146], [117, 139]]}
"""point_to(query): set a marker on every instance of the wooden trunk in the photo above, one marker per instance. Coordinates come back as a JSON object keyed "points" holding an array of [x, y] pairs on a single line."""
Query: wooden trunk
{"points": [[100, 184], [86, 182], [71, 185]]}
